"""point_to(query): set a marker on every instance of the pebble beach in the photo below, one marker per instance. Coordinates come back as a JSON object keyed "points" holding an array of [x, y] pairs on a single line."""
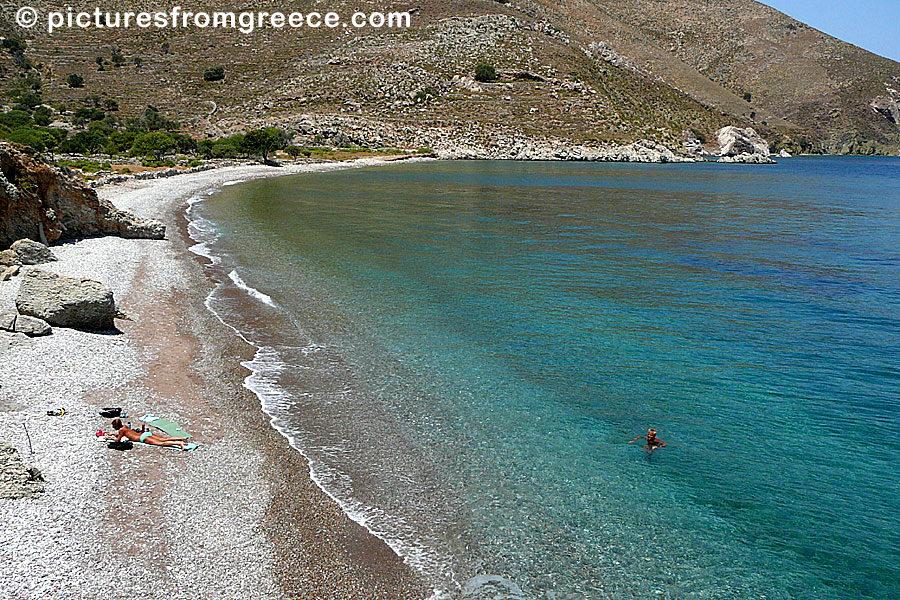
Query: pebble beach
{"points": [[237, 518]]}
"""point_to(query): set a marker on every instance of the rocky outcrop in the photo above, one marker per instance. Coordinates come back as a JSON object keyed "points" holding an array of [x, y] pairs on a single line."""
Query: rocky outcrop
{"points": [[26, 252], [784, 154], [524, 148], [41, 202], [738, 145], [467, 83], [16, 479], [66, 301], [888, 107], [30, 326]]}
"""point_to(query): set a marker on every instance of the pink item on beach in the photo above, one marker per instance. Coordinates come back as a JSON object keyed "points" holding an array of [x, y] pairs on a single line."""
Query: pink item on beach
{"points": [[99, 433]]}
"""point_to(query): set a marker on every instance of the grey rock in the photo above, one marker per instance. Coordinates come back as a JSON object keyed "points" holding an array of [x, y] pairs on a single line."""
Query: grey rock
{"points": [[784, 154], [750, 159], [29, 252], [16, 479], [66, 301], [16, 323], [32, 326], [8, 320]]}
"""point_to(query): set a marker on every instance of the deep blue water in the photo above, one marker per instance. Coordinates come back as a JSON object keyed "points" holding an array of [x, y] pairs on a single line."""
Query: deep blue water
{"points": [[463, 350]]}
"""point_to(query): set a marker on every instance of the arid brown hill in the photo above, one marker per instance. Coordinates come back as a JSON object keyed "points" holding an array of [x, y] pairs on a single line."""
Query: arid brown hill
{"points": [[584, 71]]}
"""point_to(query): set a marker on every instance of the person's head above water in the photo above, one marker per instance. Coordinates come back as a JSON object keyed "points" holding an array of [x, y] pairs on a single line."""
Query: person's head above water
{"points": [[117, 424], [651, 433]]}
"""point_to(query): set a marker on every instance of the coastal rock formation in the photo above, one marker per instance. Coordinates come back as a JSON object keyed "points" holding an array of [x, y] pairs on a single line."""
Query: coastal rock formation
{"points": [[41, 202], [16, 479], [784, 154], [742, 146], [30, 326], [523, 148], [26, 252], [66, 301]]}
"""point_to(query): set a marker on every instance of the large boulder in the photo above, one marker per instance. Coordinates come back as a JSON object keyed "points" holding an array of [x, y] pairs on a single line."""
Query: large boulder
{"points": [[41, 202], [742, 145], [734, 141], [66, 301]]}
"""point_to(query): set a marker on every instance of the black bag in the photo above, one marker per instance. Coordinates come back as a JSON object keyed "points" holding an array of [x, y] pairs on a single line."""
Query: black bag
{"points": [[123, 445], [111, 413]]}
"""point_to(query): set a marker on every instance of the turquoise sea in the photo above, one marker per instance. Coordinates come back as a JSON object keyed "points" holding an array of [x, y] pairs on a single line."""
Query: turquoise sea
{"points": [[463, 349]]}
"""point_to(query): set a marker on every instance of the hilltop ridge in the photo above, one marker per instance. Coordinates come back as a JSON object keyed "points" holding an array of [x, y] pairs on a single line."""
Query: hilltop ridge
{"points": [[588, 73]]}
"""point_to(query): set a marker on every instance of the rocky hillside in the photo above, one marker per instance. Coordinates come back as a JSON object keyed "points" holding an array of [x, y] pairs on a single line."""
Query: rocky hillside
{"points": [[591, 72]]}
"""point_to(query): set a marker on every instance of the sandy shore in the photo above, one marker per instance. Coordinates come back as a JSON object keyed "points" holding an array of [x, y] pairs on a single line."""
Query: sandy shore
{"points": [[239, 517]]}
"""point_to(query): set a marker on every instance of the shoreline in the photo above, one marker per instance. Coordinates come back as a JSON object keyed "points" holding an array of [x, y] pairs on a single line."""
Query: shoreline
{"points": [[242, 511]]}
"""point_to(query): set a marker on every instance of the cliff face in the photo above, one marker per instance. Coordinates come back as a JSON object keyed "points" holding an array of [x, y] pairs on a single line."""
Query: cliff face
{"points": [[41, 202]]}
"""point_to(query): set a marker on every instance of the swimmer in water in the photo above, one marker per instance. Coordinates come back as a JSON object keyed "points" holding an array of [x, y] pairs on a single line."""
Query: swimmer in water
{"points": [[653, 442]]}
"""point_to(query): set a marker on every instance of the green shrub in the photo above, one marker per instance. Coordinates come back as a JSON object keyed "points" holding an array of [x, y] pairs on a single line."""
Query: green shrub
{"points": [[485, 73], [15, 118], [42, 115], [216, 73], [748, 96]]}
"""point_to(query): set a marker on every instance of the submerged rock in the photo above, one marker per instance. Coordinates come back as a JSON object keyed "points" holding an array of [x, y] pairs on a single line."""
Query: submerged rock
{"points": [[66, 301], [16, 479], [491, 587]]}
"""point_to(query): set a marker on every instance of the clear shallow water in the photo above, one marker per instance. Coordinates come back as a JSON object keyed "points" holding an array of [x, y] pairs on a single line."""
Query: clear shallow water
{"points": [[463, 349]]}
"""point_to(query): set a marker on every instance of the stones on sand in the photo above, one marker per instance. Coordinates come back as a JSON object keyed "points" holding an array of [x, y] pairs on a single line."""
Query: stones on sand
{"points": [[27, 252], [66, 301], [30, 326], [16, 479]]}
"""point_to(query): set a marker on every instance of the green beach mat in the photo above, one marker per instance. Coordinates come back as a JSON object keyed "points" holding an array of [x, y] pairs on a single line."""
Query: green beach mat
{"points": [[170, 427]]}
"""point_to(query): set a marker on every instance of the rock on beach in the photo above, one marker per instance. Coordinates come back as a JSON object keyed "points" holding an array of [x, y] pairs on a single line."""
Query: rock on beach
{"points": [[16, 479], [66, 301]]}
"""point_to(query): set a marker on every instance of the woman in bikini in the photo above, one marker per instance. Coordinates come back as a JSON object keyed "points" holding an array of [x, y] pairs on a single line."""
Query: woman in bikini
{"points": [[143, 436], [653, 442]]}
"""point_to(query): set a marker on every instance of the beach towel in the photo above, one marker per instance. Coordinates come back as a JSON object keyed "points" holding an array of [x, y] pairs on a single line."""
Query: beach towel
{"points": [[187, 447], [170, 427]]}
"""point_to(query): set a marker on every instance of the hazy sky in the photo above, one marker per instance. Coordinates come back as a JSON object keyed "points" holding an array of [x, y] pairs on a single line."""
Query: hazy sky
{"points": [[870, 24]]}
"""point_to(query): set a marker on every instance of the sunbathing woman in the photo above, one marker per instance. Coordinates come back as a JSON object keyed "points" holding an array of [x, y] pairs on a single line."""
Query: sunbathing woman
{"points": [[143, 436]]}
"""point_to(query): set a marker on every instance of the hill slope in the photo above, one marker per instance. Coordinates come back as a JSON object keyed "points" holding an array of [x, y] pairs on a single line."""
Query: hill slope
{"points": [[581, 71]]}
